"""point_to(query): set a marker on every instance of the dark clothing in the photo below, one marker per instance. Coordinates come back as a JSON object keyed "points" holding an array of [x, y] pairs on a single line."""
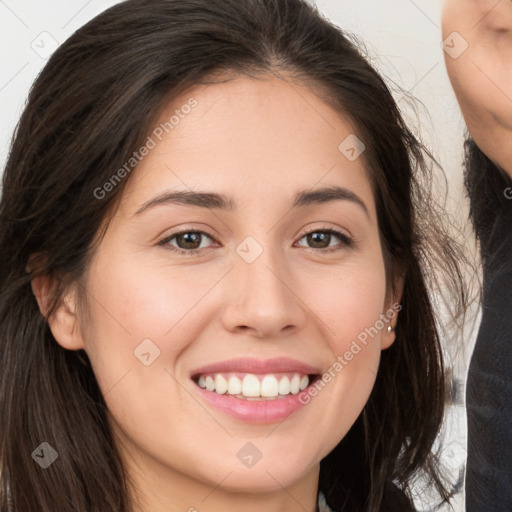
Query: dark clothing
{"points": [[394, 500], [489, 385]]}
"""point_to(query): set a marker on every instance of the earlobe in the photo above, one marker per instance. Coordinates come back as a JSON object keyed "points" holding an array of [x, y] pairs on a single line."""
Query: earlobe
{"points": [[391, 315], [388, 336], [63, 321]]}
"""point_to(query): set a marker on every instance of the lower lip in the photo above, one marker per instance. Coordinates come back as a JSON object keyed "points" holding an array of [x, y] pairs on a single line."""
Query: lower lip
{"points": [[254, 411]]}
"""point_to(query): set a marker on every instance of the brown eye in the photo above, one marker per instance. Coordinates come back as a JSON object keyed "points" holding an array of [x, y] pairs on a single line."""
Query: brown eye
{"points": [[185, 242], [319, 239], [189, 240], [322, 238]]}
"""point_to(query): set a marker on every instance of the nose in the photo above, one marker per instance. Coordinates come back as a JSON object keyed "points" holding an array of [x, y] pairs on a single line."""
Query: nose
{"points": [[263, 298]]}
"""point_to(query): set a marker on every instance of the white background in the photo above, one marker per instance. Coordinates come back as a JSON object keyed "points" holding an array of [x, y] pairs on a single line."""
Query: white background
{"points": [[403, 38]]}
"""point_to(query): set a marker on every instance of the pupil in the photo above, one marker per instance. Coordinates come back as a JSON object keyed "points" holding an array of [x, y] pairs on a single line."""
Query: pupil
{"points": [[189, 238], [319, 237]]}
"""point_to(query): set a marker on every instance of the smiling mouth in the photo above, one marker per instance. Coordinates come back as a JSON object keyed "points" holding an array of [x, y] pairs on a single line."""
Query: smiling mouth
{"points": [[255, 387]]}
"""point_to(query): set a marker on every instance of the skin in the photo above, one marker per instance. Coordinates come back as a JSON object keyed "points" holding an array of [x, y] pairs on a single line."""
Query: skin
{"points": [[482, 76], [259, 141]]}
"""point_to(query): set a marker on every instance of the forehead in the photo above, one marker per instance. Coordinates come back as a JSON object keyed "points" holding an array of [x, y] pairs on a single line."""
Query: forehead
{"points": [[251, 138]]}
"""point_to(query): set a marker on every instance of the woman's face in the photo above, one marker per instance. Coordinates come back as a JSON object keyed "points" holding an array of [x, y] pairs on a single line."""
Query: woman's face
{"points": [[477, 38], [251, 303]]}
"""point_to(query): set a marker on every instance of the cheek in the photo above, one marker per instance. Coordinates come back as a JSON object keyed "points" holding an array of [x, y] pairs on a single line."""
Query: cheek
{"points": [[348, 298], [483, 97], [139, 325], [350, 305], [487, 113], [481, 76], [135, 310], [135, 301]]}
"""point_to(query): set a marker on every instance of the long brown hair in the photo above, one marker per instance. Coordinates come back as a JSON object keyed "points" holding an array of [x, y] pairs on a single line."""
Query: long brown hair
{"points": [[91, 107]]}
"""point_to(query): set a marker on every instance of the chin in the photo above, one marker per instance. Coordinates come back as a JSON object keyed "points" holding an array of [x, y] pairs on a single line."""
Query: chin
{"points": [[262, 480]]}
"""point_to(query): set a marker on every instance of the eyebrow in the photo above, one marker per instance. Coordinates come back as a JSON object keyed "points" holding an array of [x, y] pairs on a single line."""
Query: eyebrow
{"points": [[216, 201]]}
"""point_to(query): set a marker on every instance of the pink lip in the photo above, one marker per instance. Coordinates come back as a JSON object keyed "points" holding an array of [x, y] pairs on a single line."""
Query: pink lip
{"points": [[248, 365], [252, 411], [265, 411]]}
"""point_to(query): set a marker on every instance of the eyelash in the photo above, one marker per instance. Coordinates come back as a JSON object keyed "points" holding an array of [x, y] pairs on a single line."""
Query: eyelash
{"points": [[345, 241]]}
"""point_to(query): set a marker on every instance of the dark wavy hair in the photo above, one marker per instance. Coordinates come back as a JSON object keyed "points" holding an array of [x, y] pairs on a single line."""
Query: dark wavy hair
{"points": [[93, 105]]}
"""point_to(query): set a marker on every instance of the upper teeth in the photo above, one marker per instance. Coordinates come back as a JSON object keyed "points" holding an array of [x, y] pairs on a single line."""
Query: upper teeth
{"points": [[253, 385]]}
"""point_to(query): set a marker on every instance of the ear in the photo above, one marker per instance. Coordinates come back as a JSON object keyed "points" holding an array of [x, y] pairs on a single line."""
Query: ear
{"points": [[63, 321], [390, 314]]}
